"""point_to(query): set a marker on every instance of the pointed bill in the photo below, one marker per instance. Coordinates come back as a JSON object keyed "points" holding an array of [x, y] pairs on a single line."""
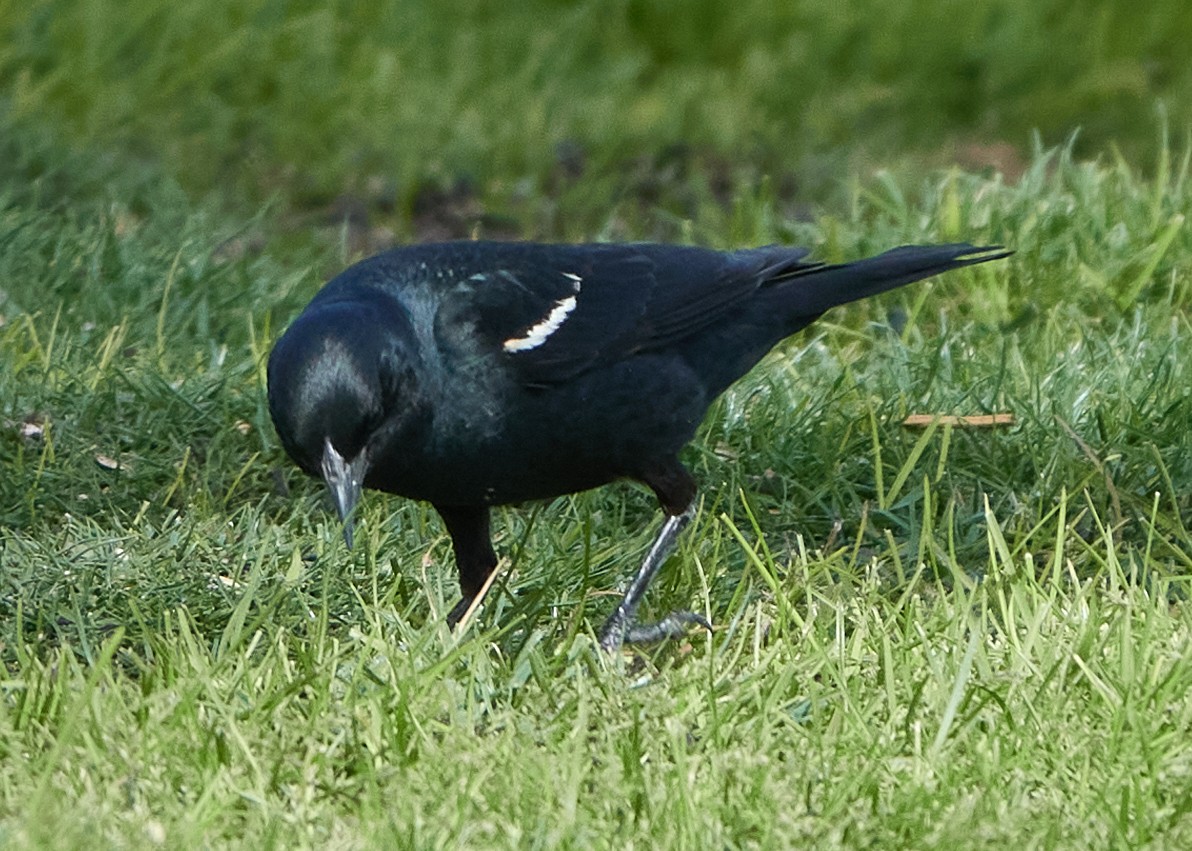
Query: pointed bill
{"points": [[344, 479]]}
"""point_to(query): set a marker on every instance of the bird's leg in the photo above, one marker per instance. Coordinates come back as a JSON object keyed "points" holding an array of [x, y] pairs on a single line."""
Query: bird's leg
{"points": [[675, 489], [468, 527], [622, 626]]}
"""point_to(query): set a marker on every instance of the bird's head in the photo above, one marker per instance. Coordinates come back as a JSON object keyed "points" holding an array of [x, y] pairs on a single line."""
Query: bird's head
{"points": [[342, 386]]}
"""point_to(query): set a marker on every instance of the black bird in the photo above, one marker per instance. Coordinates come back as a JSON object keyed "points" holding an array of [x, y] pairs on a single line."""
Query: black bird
{"points": [[473, 374]]}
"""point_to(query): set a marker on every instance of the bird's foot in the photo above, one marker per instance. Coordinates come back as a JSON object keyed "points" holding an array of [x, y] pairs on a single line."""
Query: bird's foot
{"points": [[458, 611], [620, 629]]}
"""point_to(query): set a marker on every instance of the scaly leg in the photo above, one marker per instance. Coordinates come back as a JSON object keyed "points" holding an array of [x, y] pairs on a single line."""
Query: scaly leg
{"points": [[622, 626], [468, 527]]}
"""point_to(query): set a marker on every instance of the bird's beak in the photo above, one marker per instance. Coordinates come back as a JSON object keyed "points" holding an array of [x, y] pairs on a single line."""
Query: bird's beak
{"points": [[344, 479]]}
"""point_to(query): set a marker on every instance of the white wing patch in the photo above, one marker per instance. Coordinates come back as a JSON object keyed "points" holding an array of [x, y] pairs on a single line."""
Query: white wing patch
{"points": [[538, 333]]}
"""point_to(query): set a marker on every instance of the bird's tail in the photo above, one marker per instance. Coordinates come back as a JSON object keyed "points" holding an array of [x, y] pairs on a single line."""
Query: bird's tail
{"points": [[814, 289]]}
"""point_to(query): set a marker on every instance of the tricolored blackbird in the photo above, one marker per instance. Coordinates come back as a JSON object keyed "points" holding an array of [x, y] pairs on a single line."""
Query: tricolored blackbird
{"points": [[473, 374]]}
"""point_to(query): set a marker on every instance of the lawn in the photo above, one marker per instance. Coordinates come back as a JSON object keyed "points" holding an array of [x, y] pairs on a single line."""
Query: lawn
{"points": [[925, 636]]}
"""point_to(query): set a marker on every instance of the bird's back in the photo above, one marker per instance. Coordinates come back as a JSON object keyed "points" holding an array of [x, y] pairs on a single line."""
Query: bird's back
{"points": [[547, 369]]}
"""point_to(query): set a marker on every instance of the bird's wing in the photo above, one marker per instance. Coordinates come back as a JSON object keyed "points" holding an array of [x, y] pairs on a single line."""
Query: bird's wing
{"points": [[552, 312]]}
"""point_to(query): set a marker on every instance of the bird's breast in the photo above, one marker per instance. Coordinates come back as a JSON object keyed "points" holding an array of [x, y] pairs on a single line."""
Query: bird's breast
{"points": [[495, 442]]}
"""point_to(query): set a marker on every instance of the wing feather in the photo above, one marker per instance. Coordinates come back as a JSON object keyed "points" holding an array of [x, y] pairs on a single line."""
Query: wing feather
{"points": [[555, 311]]}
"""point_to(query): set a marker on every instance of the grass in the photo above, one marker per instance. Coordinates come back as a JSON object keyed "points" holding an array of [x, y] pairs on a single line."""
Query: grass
{"points": [[925, 637], [312, 99]]}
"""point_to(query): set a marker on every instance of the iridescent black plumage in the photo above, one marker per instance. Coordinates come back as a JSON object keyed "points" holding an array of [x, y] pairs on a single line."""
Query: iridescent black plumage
{"points": [[472, 374]]}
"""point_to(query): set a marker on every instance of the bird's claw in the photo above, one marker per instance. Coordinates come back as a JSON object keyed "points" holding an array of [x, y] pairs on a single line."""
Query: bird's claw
{"points": [[619, 630]]}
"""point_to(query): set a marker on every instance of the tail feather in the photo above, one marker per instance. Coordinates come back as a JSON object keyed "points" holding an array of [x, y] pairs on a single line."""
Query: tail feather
{"points": [[812, 290]]}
